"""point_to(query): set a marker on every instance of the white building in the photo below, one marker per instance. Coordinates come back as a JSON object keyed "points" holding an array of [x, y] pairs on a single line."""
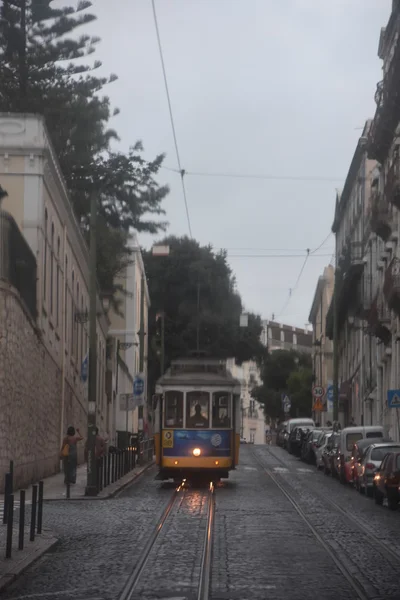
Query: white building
{"points": [[39, 203], [125, 333], [252, 427]]}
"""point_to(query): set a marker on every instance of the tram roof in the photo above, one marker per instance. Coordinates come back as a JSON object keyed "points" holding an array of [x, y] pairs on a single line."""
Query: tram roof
{"points": [[195, 371]]}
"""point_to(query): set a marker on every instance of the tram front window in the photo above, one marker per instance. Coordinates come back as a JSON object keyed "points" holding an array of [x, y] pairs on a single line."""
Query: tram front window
{"points": [[197, 410], [174, 409], [221, 409]]}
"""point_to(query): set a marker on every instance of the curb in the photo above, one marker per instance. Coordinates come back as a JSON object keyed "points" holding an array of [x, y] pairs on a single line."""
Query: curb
{"points": [[109, 495], [9, 578]]}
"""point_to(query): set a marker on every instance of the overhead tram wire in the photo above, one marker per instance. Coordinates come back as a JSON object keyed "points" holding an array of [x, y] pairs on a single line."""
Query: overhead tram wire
{"points": [[181, 171], [309, 254], [305, 178]]}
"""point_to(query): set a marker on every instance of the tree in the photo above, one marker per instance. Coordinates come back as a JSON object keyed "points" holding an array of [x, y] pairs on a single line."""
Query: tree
{"points": [[39, 74], [3, 194], [194, 276], [285, 372]]}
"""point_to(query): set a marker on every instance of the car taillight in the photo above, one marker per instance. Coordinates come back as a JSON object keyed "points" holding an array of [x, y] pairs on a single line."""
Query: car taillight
{"points": [[370, 466]]}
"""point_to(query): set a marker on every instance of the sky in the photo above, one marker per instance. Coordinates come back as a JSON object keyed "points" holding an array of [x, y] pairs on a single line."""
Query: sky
{"points": [[277, 89]]}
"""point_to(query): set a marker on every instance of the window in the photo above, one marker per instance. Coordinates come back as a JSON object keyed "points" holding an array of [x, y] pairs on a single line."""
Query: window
{"points": [[46, 222], [374, 434], [351, 439], [294, 339], [173, 409], [378, 454], [221, 409], [52, 270], [66, 303], [252, 436], [58, 283], [282, 336], [269, 333], [77, 325], [72, 312], [197, 409]]}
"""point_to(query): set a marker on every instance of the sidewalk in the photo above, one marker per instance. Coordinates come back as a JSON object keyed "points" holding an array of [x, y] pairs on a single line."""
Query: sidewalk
{"points": [[54, 488]]}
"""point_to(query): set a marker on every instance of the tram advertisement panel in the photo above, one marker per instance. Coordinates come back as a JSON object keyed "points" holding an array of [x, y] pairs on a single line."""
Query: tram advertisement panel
{"points": [[180, 442]]}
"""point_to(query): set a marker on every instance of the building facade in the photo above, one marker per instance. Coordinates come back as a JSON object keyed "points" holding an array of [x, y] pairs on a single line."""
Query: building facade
{"points": [[383, 247], [277, 336], [252, 426], [322, 353], [125, 343], [351, 226], [47, 383]]}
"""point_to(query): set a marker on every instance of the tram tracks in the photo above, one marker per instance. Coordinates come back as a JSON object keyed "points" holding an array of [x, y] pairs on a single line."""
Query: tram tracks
{"points": [[364, 591], [200, 589]]}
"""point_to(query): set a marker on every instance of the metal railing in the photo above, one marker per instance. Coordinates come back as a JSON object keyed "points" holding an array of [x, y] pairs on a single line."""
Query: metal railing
{"points": [[17, 262]]}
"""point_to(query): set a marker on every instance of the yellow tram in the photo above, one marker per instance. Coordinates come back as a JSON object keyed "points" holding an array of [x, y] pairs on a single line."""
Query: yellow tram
{"points": [[197, 420]]}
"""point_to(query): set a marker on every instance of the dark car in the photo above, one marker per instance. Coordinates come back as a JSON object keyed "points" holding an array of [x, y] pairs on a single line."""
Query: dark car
{"points": [[387, 481]]}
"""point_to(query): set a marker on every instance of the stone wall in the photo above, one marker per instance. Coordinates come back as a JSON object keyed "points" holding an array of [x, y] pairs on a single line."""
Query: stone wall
{"points": [[30, 397]]}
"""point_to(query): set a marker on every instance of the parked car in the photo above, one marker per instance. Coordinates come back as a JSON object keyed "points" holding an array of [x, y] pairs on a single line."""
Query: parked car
{"points": [[281, 434], [387, 481], [348, 437], [329, 452], [355, 467], [292, 423], [371, 461], [321, 445], [310, 445]]}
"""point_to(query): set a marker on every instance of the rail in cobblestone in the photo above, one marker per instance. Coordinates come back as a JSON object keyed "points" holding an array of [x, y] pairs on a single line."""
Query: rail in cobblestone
{"points": [[334, 529], [138, 582]]}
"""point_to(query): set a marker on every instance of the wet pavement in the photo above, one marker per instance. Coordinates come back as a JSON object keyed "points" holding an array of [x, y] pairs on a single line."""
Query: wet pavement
{"points": [[282, 530]]}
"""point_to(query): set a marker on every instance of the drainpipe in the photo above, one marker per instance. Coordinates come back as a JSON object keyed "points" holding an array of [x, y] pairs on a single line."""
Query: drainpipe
{"points": [[64, 332]]}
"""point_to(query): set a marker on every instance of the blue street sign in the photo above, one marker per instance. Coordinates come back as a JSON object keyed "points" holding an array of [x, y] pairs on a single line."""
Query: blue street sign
{"points": [[393, 398], [85, 369], [138, 386], [329, 393]]}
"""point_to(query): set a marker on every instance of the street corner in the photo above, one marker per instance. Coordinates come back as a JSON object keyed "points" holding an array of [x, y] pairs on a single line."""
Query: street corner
{"points": [[11, 569]]}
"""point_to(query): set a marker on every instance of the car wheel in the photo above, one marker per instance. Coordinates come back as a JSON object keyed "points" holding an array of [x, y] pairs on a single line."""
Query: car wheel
{"points": [[369, 491], [392, 503], [378, 497]]}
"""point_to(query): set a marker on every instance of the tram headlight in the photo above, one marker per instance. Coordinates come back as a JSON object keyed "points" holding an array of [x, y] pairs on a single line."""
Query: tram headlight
{"points": [[196, 452]]}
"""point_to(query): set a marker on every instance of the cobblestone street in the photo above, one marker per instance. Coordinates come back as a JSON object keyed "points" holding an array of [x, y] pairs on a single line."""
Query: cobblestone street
{"points": [[281, 530]]}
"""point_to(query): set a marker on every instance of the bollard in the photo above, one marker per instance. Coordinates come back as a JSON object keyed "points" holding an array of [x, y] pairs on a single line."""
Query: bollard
{"points": [[11, 471], [33, 513], [108, 468], [105, 470], [10, 522], [112, 468], [7, 492], [40, 508], [21, 520], [100, 473]]}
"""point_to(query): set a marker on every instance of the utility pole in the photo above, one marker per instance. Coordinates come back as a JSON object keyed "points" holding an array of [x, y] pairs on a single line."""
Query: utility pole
{"points": [[198, 318], [23, 75], [162, 354], [91, 487], [335, 349], [141, 340]]}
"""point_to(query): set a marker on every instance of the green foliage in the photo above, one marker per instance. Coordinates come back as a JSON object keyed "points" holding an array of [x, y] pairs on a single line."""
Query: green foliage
{"points": [[285, 372], [42, 71], [174, 282], [3, 194]]}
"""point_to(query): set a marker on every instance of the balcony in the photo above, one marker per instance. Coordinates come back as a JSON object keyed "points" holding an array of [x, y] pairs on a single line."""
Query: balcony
{"points": [[380, 215], [379, 321], [387, 115], [392, 186], [391, 286]]}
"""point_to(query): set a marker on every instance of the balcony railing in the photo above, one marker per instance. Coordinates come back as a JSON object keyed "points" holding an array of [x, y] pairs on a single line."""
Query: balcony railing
{"points": [[17, 262], [380, 215], [392, 186]]}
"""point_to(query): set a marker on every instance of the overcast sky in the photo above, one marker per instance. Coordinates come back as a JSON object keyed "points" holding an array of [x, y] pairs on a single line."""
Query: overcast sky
{"points": [[260, 87]]}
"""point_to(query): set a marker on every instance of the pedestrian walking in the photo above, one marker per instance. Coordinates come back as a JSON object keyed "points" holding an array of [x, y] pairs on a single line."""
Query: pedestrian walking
{"points": [[69, 454]]}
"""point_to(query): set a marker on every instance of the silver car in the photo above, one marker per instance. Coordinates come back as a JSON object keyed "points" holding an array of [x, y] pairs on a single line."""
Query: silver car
{"points": [[321, 445], [371, 460]]}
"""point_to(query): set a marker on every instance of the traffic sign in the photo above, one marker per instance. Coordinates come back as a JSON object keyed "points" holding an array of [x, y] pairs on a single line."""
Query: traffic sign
{"points": [[318, 391], [329, 393], [318, 405], [287, 405], [393, 398], [138, 389]]}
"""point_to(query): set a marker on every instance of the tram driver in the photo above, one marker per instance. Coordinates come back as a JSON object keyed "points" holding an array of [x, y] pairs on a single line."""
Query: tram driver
{"points": [[197, 420]]}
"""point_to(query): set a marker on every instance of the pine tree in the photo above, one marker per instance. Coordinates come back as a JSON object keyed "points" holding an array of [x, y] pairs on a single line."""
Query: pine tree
{"points": [[39, 74]]}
